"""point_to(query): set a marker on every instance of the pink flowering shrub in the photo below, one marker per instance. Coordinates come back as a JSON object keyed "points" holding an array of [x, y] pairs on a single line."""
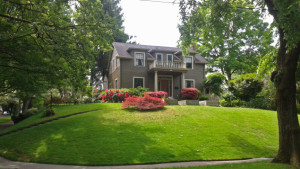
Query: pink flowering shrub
{"points": [[143, 103], [113, 95], [189, 93], [159, 94]]}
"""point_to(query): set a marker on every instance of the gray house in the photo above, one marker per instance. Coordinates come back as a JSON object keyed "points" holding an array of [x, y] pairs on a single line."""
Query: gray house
{"points": [[155, 67]]}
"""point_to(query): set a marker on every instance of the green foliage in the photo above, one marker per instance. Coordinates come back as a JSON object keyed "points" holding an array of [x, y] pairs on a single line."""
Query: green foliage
{"points": [[9, 104], [49, 112], [245, 87], [87, 100], [231, 103], [201, 96], [139, 91], [229, 37], [214, 83]]}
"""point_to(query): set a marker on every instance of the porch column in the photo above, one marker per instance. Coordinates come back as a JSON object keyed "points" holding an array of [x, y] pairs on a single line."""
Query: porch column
{"points": [[155, 81], [182, 80]]}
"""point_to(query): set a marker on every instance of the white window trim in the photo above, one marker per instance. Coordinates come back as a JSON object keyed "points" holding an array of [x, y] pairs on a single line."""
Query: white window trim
{"points": [[192, 61], [116, 83], [135, 59], [162, 57], [168, 57], [189, 80], [134, 77]]}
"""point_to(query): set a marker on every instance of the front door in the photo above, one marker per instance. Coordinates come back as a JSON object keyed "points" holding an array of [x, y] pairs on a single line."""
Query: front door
{"points": [[166, 85]]}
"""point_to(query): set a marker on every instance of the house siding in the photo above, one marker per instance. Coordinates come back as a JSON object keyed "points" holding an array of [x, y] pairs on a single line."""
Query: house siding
{"points": [[197, 73]]}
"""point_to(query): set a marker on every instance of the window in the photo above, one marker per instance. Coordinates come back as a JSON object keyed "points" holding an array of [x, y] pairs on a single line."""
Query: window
{"points": [[139, 59], [188, 62], [116, 83], [138, 81], [189, 83], [170, 58], [159, 58]]}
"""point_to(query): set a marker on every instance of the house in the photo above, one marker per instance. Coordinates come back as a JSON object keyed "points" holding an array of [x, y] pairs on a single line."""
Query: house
{"points": [[155, 67]]}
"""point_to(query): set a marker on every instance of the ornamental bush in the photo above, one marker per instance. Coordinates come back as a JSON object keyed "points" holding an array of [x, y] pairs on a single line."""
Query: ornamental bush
{"points": [[159, 94], [114, 96], [143, 103], [189, 93]]}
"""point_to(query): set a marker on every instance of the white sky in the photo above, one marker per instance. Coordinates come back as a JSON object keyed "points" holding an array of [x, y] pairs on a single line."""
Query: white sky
{"points": [[152, 23]]}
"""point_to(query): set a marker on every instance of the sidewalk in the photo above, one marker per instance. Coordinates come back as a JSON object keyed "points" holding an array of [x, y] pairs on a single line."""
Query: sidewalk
{"points": [[7, 164]]}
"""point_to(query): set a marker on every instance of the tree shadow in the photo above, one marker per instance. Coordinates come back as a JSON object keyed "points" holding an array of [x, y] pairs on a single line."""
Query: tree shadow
{"points": [[246, 147]]}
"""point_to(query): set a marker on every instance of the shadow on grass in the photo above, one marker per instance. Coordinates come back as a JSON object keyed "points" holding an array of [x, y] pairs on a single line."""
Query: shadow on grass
{"points": [[90, 139], [143, 111], [244, 146]]}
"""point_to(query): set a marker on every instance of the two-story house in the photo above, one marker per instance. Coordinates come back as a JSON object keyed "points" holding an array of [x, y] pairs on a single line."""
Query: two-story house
{"points": [[155, 67]]}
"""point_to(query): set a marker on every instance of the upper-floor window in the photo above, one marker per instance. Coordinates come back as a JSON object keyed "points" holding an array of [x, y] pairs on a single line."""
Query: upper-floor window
{"points": [[139, 59], [159, 58], [188, 60], [170, 58]]}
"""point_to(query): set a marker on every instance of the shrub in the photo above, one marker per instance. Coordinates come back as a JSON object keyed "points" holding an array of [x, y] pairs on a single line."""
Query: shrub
{"points": [[201, 96], [245, 87], [31, 111], [214, 83], [143, 103], [260, 103], [189, 93], [76, 101], [159, 94], [225, 103], [88, 100], [49, 112], [114, 95]]}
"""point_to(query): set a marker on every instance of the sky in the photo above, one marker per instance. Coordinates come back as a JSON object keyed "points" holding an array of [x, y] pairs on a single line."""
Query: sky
{"points": [[152, 23]]}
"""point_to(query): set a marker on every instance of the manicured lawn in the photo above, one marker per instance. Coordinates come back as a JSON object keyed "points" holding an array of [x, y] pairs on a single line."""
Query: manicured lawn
{"points": [[255, 165], [112, 136], [4, 119], [60, 111]]}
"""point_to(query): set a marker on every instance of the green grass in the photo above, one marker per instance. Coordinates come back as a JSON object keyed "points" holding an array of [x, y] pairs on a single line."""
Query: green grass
{"points": [[112, 136], [60, 111], [254, 165], [4, 119]]}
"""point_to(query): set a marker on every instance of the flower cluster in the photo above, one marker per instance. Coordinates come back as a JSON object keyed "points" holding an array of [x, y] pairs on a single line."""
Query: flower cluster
{"points": [[113, 95], [143, 103], [159, 94], [189, 93]]}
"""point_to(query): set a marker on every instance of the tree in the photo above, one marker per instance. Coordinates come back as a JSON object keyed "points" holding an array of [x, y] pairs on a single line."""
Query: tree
{"points": [[49, 44], [114, 12], [229, 40], [287, 18]]}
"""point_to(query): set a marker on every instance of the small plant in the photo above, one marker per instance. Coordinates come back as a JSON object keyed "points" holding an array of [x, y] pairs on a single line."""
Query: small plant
{"points": [[49, 112], [76, 101], [189, 93], [143, 103]]}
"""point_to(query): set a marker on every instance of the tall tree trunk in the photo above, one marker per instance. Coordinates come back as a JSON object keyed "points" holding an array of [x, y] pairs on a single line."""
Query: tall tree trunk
{"points": [[285, 81], [26, 103]]}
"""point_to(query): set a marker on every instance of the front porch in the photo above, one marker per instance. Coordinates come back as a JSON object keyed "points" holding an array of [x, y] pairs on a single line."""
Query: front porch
{"points": [[169, 81]]}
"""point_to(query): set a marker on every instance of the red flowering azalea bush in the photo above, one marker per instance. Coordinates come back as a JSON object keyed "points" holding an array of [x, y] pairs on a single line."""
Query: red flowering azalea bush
{"points": [[189, 93], [159, 94], [113, 95], [143, 103]]}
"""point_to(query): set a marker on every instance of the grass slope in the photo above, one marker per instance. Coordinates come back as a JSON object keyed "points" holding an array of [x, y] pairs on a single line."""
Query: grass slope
{"points": [[112, 136], [60, 111], [255, 165], [4, 119]]}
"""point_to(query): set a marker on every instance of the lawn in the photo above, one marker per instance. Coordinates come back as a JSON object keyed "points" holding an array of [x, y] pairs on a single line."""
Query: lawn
{"points": [[4, 119], [60, 111], [112, 136], [255, 165]]}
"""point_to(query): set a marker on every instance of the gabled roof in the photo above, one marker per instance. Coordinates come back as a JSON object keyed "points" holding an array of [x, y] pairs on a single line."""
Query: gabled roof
{"points": [[123, 50]]}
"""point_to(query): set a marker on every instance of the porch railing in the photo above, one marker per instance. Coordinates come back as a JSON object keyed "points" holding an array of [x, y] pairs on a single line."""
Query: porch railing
{"points": [[167, 65]]}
